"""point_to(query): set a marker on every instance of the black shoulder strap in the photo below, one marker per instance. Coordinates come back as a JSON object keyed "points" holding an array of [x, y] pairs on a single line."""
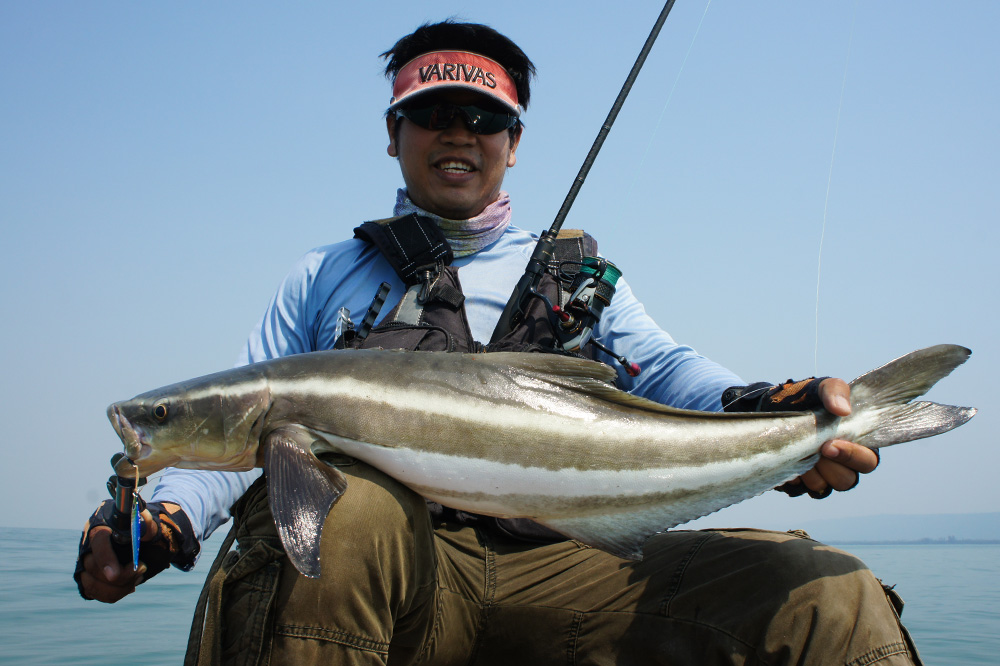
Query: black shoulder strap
{"points": [[409, 243]]}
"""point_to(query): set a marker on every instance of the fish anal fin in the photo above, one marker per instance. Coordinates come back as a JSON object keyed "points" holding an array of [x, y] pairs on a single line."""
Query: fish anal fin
{"points": [[603, 532], [301, 490], [624, 533]]}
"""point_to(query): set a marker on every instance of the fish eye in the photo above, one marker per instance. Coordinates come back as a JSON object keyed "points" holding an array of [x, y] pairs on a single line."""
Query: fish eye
{"points": [[160, 412]]}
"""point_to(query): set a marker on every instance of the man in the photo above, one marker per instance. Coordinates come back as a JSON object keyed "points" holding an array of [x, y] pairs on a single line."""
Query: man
{"points": [[407, 582]]}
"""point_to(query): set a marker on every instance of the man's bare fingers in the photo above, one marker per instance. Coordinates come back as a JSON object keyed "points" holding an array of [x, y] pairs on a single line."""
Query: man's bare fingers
{"points": [[853, 456], [814, 481], [102, 563], [836, 475], [149, 528], [102, 591], [839, 466]]}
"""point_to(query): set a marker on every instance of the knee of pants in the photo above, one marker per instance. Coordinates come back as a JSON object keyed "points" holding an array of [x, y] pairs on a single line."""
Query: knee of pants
{"points": [[815, 585], [372, 503], [834, 606], [788, 563], [774, 573], [378, 565], [377, 571], [784, 595], [376, 511]]}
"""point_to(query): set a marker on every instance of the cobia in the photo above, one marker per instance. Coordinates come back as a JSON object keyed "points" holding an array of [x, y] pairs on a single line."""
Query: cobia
{"points": [[538, 436]]}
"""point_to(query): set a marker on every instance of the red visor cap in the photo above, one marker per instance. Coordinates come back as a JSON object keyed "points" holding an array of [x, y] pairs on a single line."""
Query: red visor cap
{"points": [[441, 70]]}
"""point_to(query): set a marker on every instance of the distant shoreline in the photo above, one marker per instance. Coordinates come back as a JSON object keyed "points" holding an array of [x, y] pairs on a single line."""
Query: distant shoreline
{"points": [[917, 542]]}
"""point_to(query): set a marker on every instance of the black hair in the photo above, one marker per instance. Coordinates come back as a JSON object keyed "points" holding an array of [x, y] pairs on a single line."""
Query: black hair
{"points": [[455, 36]]}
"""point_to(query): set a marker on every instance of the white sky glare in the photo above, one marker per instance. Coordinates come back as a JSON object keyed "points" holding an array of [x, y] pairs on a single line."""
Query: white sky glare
{"points": [[162, 165]]}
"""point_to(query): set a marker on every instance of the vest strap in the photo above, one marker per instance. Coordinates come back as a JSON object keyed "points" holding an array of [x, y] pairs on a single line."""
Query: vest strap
{"points": [[410, 243]]}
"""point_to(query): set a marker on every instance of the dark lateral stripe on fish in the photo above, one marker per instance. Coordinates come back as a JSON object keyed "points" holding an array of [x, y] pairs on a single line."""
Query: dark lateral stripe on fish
{"points": [[450, 422]]}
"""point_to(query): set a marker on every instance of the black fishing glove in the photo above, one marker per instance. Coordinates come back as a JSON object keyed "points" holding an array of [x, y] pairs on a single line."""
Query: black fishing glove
{"points": [[791, 396], [175, 542]]}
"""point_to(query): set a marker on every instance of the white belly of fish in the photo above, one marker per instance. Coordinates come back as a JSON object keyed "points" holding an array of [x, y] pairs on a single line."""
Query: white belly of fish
{"points": [[503, 489]]}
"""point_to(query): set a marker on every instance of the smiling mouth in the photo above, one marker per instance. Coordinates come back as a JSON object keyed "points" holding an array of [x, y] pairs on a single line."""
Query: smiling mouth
{"points": [[452, 166]]}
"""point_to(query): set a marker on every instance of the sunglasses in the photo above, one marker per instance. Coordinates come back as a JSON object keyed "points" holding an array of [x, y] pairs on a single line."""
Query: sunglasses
{"points": [[477, 119]]}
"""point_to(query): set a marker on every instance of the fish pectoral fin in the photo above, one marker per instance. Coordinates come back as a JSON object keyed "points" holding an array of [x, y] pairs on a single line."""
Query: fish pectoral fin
{"points": [[301, 490]]}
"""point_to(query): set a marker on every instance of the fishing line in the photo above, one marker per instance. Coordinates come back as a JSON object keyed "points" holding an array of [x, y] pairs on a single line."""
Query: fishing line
{"points": [[829, 181], [748, 394], [663, 111]]}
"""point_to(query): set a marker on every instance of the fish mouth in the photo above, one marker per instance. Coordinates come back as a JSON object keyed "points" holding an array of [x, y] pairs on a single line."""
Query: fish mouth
{"points": [[135, 447]]}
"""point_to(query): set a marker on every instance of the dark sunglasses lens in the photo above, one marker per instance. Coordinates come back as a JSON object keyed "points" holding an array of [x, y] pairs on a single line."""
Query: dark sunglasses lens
{"points": [[476, 119], [482, 121], [426, 117]]}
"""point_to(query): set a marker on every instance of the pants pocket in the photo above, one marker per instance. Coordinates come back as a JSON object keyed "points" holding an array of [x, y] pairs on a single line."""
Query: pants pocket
{"points": [[896, 602], [234, 620], [246, 603]]}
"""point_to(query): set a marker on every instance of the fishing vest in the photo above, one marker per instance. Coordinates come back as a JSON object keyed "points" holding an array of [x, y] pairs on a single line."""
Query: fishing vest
{"points": [[431, 317]]}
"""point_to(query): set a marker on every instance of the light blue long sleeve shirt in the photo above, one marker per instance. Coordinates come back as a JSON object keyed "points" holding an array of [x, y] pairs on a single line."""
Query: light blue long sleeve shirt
{"points": [[302, 317]]}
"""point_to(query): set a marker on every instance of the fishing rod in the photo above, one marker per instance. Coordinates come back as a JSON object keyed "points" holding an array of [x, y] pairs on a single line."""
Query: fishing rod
{"points": [[595, 276]]}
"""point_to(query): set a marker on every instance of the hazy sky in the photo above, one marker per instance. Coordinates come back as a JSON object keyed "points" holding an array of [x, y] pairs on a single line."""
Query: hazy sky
{"points": [[162, 165]]}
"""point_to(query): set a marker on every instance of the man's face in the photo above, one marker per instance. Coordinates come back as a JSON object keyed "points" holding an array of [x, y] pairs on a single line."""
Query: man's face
{"points": [[452, 172]]}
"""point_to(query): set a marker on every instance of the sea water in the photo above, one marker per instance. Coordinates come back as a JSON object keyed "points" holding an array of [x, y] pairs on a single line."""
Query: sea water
{"points": [[952, 595]]}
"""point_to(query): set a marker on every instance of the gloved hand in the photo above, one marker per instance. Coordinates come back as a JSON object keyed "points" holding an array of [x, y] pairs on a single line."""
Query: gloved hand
{"points": [[168, 538], [842, 462], [791, 396]]}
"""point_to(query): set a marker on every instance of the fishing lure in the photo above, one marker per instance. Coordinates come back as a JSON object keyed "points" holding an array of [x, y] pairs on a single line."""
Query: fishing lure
{"points": [[136, 521], [126, 517]]}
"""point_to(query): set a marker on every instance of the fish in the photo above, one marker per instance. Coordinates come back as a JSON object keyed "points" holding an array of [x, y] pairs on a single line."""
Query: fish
{"points": [[513, 435]]}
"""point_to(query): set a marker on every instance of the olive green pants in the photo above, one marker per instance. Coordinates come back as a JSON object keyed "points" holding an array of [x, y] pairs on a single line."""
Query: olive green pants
{"points": [[397, 588]]}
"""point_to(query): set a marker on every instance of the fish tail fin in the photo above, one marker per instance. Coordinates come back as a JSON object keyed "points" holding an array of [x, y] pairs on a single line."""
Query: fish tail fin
{"points": [[885, 394]]}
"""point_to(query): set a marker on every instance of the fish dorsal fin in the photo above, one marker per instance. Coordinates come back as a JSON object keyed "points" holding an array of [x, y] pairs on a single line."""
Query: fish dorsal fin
{"points": [[595, 379], [571, 372], [301, 490], [555, 365]]}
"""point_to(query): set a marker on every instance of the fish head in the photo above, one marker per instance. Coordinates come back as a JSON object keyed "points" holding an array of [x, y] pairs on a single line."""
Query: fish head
{"points": [[206, 423]]}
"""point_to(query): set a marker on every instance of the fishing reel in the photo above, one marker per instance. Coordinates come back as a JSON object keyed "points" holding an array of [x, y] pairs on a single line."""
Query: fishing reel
{"points": [[591, 289]]}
